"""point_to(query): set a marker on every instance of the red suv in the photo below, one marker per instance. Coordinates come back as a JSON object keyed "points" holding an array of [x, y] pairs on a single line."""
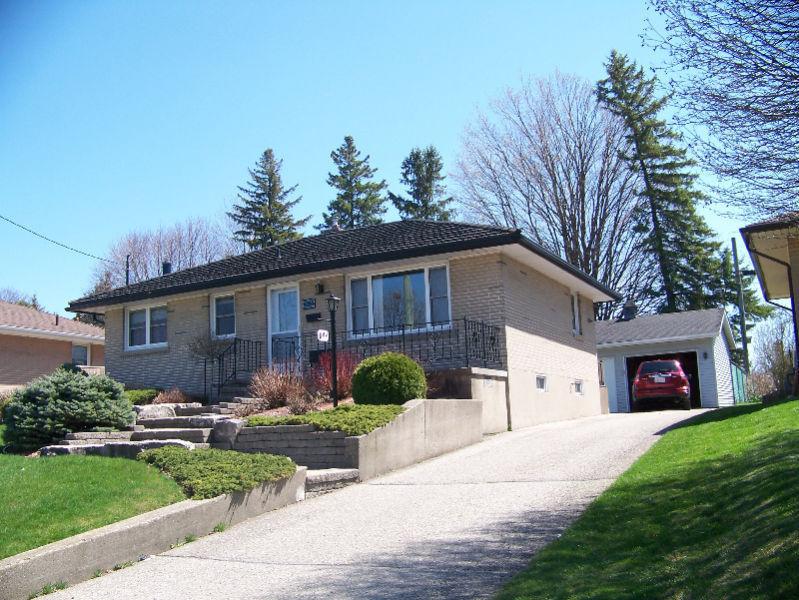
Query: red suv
{"points": [[661, 379]]}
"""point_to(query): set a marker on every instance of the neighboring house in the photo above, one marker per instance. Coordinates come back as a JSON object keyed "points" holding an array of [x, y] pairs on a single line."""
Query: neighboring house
{"points": [[451, 295], [700, 339], [33, 343], [773, 246]]}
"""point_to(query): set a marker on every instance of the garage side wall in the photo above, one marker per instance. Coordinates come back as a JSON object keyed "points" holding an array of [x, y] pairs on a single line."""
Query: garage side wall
{"points": [[721, 352], [707, 372], [540, 341]]}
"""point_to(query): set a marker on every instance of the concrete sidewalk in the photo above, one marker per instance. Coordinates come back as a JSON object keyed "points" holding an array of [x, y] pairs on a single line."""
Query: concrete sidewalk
{"points": [[457, 526]]}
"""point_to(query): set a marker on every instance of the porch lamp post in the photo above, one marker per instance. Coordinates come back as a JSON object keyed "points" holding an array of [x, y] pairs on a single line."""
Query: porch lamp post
{"points": [[332, 306]]}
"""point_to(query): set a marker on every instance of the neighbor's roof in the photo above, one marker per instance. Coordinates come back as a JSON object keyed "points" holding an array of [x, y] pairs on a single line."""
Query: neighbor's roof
{"points": [[668, 327], [767, 243], [24, 321], [335, 250]]}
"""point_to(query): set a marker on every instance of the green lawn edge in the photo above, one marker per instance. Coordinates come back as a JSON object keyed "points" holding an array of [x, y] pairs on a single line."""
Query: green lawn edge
{"points": [[710, 511], [351, 419], [48, 499]]}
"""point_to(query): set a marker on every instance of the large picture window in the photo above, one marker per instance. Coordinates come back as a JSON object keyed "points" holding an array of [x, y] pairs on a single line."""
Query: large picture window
{"points": [[416, 298], [146, 327]]}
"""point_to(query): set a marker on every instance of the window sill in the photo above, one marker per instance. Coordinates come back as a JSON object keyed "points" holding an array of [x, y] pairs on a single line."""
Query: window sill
{"points": [[398, 332], [227, 336], [149, 349]]}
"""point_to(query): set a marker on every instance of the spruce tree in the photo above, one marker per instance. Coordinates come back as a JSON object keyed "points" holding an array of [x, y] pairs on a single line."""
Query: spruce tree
{"points": [[678, 237], [421, 174], [359, 200], [264, 212]]}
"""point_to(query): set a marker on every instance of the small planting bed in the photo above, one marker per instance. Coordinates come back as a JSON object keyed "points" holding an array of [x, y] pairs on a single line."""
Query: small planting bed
{"points": [[709, 512], [48, 499], [210, 473], [351, 419]]}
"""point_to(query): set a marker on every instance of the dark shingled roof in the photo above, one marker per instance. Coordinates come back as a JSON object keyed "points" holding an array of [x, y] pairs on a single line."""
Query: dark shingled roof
{"points": [[386, 241], [688, 324]]}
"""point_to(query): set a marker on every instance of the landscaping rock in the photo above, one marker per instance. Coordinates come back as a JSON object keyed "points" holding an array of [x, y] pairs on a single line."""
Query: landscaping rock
{"points": [[226, 431], [113, 449], [154, 411]]}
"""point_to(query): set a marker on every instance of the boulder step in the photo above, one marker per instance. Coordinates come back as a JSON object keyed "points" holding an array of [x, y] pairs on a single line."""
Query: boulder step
{"points": [[182, 422], [196, 435], [319, 481]]}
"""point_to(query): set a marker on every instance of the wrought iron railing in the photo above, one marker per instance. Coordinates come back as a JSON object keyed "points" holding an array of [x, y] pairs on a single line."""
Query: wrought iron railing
{"points": [[241, 357], [460, 343]]}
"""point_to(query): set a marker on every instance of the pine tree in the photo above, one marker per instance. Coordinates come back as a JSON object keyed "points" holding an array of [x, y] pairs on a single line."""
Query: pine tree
{"points": [[421, 174], [264, 214], [359, 200], [677, 235]]}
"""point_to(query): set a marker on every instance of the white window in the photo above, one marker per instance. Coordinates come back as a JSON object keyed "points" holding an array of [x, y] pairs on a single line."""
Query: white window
{"points": [[541, 383], [416, 298], [223, 316], [577, 324], [578, 386], [146, 327], [80, 355]]}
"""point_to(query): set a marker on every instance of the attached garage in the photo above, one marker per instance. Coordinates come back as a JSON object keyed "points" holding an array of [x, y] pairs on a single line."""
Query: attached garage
{"points": [[700, 339]]}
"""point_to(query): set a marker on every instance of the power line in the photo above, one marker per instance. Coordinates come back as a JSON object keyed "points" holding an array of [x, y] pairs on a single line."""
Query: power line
{"points": [[52, 241]]}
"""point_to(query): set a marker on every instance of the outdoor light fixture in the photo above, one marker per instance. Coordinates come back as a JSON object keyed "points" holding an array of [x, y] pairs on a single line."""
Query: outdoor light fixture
{"points": [[332, 305]]}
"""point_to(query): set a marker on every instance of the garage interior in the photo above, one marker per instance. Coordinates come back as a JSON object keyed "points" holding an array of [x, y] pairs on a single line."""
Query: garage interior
{"points": [[690, 365]]}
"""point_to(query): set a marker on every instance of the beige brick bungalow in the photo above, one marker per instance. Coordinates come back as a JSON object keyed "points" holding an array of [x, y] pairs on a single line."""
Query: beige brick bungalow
{"points": [[483, 300], [33, 343]]}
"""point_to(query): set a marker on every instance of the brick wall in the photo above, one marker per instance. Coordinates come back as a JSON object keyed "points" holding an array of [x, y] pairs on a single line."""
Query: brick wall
{"points": [[540, 341], [25, 358]]}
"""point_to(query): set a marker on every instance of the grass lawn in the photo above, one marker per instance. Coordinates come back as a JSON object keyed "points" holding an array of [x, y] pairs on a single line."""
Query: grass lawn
{"points": [[352, 419], [711, 511], [47, 499]]}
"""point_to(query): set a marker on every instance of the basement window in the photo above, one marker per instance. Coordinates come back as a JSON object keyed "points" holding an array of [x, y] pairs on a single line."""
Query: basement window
{"points": [[541, 383]]}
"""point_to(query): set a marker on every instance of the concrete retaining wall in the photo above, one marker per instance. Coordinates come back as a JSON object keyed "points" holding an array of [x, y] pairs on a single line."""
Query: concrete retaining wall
{"points": [[488, 385], [77, 558], [427, 428]]}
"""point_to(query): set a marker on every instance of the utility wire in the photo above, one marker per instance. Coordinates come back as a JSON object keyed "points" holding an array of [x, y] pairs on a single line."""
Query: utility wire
{"points": [[52, 241]]}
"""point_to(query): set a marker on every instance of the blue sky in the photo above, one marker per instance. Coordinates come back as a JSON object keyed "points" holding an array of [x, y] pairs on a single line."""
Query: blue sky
{"points": [[128, 115]]}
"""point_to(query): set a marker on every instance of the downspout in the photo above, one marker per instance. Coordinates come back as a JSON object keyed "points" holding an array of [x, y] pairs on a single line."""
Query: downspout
{"points": [[792, 309]]}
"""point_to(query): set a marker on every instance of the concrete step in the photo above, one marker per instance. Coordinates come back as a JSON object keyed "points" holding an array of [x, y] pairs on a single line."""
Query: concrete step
{"points": [[320, 481], [182, 422], [195, 435], [208, 409]]}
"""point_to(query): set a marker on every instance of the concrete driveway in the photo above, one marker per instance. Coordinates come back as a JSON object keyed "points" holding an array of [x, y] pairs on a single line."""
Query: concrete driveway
{"points": [[457, 526]]}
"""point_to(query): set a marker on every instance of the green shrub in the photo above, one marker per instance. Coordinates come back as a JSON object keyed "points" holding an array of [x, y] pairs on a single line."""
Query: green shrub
{"points": [[5, 398], [388, 378], [143, 396], [352, 419], [73, 368], [56, 404], [209, 473]]}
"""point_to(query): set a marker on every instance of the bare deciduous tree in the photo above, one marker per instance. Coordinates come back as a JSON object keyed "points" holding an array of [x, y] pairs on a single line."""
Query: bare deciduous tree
{"points": [[734, 68], [13, 296], [774, 351], [546, 160], [191, 243]]}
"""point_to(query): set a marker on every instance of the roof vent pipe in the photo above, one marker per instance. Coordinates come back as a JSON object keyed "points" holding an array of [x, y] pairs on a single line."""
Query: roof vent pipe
{"points": [[166, 267], [629, 311]]}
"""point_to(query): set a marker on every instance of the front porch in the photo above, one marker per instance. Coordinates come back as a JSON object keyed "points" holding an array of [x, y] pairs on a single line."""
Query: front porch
{"points": [[438, 347]]}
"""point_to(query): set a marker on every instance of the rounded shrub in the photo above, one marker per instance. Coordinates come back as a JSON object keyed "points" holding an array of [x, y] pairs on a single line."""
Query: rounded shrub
{"points": [[63, 402], [389, 378]]}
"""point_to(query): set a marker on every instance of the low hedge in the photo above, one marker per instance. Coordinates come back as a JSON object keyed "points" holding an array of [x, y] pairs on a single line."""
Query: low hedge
{"points": [[352, 419], [209, 473], [389, 378], [63, 402], [142, 396]]}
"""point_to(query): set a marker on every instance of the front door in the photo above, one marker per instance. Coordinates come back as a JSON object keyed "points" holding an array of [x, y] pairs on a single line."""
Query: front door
{"points": [[284, 326]]}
